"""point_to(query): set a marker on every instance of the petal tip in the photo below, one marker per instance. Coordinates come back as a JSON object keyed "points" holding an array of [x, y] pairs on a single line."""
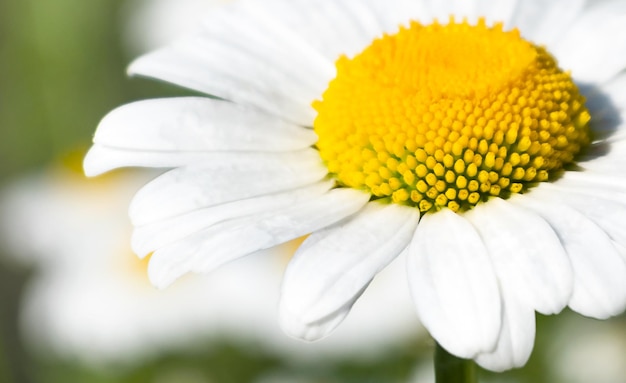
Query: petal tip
{"points": [[93, 164], [161, 274], [309, 332]]}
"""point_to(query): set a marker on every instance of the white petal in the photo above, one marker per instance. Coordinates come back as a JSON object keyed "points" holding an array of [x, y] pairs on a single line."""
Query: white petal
{"points": [[601, 184], [364, 18], [543, 22], [101, 159], [609, 148], [497, 11], [226, 241], [526, 252], [595, 187], [292, 52], [316, 24], [594, 49], [150, 237], [442, 10], [606, 100], [492, 12], [276, 82], [185, 189], [608, 210], [607, 126], [599, 270], [278, 44], [453, 284], [392, 14], [615, 91], [198, 124], [605, 157], [517, 335], [330, 26], [333, 267], [621, 249]]}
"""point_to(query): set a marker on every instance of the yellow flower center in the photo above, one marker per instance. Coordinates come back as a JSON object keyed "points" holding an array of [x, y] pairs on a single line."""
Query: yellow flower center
{"points": [[448, 115]]}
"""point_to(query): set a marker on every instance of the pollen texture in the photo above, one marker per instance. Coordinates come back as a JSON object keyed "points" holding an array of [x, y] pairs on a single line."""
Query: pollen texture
{"points": [[448, 115]]}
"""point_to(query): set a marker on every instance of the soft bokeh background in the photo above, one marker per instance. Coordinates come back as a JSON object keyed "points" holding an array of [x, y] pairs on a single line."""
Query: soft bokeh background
{"points": [[62, 66]]}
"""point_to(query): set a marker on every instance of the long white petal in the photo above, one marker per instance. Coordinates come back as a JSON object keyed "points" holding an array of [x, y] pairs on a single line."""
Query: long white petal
{"points": [[517, 335], [599, 270], [331, 27], [454, 285], [150, 237], [497, 11], [605, 100], [606, 157], [392, 14], [291, 51], [526, 252], [185, 189], [621, 250], [363, 16], [319, 25], [607, 210], [333, 267], [543, 22], [198, 124], [101, 159], [600, 184], [229, 240], [615, 91], [594, 49], [609, 132], [214, 67], [442, 10], [278, 44]]}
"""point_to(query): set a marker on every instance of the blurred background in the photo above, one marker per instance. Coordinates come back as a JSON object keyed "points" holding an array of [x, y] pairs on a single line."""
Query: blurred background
{"points": [[75, 303]]}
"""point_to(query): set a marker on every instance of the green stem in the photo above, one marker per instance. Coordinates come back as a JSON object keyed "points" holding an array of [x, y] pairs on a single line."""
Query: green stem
{"points": [[450, 369]]}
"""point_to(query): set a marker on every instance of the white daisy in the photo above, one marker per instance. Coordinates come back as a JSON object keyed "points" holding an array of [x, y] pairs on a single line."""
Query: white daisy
{"points": [[89, 297], [379, 131]]}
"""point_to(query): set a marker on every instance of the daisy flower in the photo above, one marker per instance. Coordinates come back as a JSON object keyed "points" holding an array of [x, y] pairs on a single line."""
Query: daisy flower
{"points": [[482, 140], [89, 298]]}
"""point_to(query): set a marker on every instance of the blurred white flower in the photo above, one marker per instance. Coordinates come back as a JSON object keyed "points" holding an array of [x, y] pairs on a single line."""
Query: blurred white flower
{"points": [[149, 24], [90, 297], [597, 352]]}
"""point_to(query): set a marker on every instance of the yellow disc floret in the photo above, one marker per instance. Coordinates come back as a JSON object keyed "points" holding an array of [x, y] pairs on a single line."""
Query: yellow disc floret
{"points": [[448, 115]]}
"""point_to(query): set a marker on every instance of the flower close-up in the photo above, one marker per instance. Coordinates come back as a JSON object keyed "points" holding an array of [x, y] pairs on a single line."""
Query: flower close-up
{"points": [[483, 142]]}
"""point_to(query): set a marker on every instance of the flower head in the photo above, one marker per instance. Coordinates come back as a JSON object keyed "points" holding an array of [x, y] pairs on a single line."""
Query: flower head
{"points": [[484, 141]]}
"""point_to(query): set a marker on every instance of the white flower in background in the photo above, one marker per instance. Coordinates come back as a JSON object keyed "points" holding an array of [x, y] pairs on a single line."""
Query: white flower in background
{"points": [[90, 298], [461, 144], [150, 24], [584, 352]]}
